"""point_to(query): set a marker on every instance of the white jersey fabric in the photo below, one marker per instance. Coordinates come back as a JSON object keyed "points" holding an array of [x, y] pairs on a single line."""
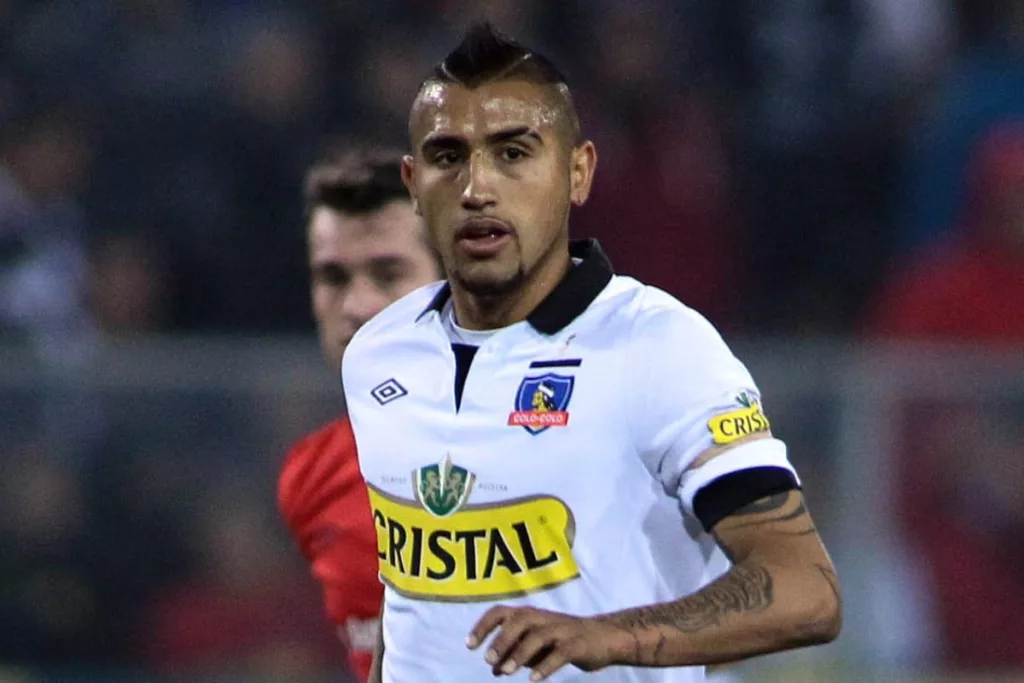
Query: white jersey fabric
{"points": [[561, 481]]}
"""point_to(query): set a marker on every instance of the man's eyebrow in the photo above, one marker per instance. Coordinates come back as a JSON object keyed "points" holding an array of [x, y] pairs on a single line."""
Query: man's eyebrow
{"points": [[455, 142], [389, 261], [319, 264], [443, 142], [512, 133], [376, 262]]}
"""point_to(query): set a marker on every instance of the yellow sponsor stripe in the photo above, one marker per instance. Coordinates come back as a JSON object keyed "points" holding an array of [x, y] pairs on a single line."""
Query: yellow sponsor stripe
{"points": [[482, 552], [737, 424]]}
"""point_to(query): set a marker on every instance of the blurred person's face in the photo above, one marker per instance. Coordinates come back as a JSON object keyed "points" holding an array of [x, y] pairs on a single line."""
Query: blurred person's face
{"points": [[127, 288], [394, 78], [635, 52], [359, 265], [493, 173], [53, 157], [273, 76], [40, 500]]}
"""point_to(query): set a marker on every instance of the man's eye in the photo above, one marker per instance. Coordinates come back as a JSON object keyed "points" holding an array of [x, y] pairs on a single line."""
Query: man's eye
{"points": [[446, 158], [513, 153], [332, 275], [386, 278]]}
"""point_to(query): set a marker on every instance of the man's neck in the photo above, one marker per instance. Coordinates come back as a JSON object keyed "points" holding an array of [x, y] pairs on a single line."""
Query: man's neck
{"points": [[493, 312]]}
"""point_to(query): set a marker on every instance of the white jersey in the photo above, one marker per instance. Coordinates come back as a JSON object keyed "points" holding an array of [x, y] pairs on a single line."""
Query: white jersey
{"points": [[562, 478]]}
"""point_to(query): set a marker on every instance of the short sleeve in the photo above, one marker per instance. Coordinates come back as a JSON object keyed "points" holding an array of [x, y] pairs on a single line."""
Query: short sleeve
{"points": [[692, 394]]}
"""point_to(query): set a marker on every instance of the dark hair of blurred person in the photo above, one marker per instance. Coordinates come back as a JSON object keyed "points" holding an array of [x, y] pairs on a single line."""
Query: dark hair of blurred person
{"points": [[367, 248]]}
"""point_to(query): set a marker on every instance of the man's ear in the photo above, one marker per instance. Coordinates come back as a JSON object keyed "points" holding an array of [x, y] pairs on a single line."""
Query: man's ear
{"points": [[408, 166], [582, 165]]}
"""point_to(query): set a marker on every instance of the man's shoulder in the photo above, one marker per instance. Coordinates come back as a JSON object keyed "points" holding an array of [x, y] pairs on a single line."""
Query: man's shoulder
{"points": [[325, 459], [647, 313], [331, 440], [396, 317]]}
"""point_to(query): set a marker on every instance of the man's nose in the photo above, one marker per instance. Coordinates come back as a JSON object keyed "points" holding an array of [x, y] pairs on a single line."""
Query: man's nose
{"points": [[479, 192], [362, 301]]}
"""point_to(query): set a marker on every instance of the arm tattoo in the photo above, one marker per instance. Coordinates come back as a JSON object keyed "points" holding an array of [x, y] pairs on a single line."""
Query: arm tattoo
{"points": [[829, 575], [743, 589], [659, 647], [800, 509], [784, 512], [766, 504], [803, 531]]}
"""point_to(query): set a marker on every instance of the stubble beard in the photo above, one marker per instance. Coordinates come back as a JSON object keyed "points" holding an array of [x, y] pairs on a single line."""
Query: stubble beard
{"points": [[490, 285], [491, 288]]}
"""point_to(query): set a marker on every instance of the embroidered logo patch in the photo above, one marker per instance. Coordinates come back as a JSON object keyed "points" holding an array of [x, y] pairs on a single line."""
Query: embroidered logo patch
{"points": [[387, 391], [541, 402], [443, 488]]}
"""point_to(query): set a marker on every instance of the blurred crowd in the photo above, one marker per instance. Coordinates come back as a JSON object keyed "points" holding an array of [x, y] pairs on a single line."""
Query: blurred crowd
{"points": [[772, 164], [836, 168]]}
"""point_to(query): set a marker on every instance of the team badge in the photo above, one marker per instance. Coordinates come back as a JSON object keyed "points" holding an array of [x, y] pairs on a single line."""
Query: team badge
{"points": [[443, 488], [541, 402]]}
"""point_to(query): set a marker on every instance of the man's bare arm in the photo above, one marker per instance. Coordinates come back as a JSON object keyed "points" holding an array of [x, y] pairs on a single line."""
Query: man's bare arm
{"points": [[781, 593]]}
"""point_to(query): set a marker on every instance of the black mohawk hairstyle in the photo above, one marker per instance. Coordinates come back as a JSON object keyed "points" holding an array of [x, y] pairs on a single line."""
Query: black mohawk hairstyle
{"points": [[486, 54]]}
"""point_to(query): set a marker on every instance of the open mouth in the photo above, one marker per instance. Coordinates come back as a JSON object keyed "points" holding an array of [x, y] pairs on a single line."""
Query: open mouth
{"points": [[482, 228], [483, 236]]}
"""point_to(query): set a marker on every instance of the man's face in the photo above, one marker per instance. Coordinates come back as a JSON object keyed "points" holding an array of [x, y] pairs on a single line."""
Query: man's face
{"points": [[493, 174], [359, 265]]}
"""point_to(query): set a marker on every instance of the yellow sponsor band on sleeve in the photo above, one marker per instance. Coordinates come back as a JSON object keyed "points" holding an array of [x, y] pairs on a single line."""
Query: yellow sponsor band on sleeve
{"points": [[482, 552], [737, 424]]}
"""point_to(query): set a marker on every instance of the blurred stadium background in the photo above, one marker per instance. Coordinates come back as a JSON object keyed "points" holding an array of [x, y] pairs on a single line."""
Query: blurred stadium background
{"points": [[837, 184]]}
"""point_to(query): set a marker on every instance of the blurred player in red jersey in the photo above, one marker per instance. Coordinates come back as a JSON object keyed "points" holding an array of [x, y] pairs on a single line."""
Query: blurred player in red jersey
{"points": [[367, 248]]}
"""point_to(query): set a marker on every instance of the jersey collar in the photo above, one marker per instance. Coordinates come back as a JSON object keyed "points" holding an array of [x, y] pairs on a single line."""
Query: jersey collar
{"points": [[569, 298]]}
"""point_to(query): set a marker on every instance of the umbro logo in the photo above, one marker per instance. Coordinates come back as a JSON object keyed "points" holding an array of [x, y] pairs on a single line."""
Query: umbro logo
{"points": [[387, 391]]}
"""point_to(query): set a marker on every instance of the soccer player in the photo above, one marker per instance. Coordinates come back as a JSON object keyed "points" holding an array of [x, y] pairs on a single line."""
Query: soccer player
{"points": [[366, 249], [554, 454]]}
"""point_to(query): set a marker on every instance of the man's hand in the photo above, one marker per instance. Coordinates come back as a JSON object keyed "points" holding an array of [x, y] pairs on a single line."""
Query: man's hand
{"points": [[545, 641]]}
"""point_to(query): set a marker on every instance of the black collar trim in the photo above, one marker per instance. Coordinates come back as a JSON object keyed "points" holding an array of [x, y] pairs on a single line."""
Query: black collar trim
{"points": [[569, 298]]}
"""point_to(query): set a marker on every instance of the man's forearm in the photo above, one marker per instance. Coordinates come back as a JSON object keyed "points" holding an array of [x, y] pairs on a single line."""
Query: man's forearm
{"points": [[753, 609]]}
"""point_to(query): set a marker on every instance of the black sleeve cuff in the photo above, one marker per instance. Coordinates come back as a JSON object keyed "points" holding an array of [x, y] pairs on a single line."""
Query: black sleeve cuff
{"points": [[731, 491]]}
